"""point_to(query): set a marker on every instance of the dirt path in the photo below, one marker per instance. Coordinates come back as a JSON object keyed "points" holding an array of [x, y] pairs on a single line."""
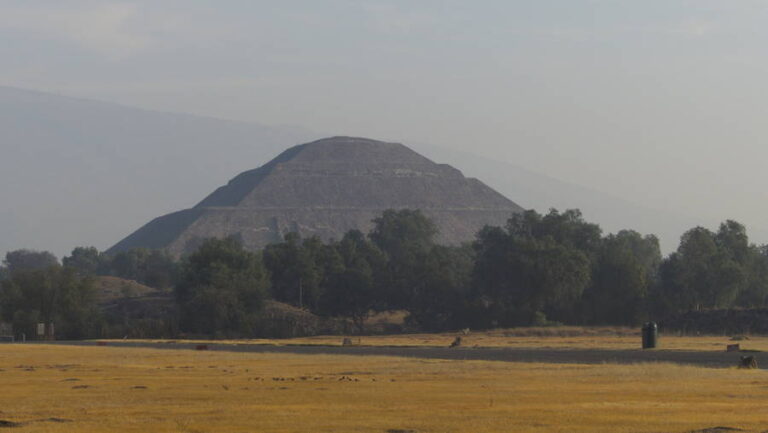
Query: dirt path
{"points": [[579, 356]]}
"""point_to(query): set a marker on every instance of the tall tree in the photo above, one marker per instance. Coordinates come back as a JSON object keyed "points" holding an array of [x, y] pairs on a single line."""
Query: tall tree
{"points": [[625, 270], [154, 268], [86, 260], [406, 237], [296, 270], [732, 240], [755, 292], [538, 265], [403, 232], [351, 288], [222, 289], [439, 300], [26, 260], [708, 270], [567, 228], [52, 295]]}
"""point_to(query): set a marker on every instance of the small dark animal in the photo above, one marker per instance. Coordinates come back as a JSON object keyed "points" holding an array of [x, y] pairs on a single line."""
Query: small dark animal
{"points": [[748, 362], [456, 342]]}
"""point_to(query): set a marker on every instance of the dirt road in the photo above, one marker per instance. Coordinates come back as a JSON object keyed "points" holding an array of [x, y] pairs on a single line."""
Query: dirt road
{"points": [[579, 356]]}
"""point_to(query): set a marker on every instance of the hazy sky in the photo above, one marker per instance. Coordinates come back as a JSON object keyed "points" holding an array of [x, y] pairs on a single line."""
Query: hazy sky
{"points": [[663, 101]]}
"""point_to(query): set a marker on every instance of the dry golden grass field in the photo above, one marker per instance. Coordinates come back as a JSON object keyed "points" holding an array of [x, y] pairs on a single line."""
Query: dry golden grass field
{"points": [[565, 337], [48, 388]]}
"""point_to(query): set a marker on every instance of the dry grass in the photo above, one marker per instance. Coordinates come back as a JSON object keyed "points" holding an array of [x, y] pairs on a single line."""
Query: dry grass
{"points": [[109, 389], [553, 338]]}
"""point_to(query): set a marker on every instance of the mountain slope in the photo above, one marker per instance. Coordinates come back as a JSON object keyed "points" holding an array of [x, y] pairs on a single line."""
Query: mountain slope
{"points": [[77, 172]]}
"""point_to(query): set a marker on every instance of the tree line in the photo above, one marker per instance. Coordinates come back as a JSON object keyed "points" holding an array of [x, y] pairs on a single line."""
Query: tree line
{"points": [[538, 269]]}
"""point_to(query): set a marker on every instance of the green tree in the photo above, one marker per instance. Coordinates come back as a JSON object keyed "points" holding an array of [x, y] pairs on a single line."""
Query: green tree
{"points": [[625, 270], [708, 270], [351, 288], [440, 298], [25, 260], [403, 232], [732, 240], [86, 260], [567, 228], [52, 295], [222, 289], [406, 237], [129, 264], [746, 263], [535, 266], [154, 268], [160, 270], [755, 292], [296, 270]]}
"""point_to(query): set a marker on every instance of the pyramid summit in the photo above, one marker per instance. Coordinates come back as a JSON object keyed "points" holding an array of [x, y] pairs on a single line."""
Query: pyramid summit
{"points": [[326, 188]]}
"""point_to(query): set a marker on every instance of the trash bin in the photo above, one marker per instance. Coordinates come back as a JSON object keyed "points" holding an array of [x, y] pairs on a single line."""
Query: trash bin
{"points": [[650, 335]]}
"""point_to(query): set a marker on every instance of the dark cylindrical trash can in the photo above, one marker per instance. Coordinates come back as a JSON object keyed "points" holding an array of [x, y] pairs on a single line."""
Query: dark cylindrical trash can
{"points": [[650, 335]]}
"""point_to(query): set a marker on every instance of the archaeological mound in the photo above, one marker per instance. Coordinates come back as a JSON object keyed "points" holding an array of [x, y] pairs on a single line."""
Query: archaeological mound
{"points": [[326, 188]]}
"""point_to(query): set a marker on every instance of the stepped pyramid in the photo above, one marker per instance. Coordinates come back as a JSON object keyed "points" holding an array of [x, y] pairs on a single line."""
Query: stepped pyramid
{"points": [[326, 188]]}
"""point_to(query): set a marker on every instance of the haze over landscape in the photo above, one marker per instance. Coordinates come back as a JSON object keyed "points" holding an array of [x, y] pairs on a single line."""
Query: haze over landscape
{"points": [[102, 170], [645, 116], [383, 216]]}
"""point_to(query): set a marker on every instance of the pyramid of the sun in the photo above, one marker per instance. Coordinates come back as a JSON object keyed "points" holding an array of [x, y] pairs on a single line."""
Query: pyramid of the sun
{"points": [[326, 188]]}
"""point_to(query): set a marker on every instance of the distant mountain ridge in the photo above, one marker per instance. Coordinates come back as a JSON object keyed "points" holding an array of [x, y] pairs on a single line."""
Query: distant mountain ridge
{"points": [[326, 188], [79, 172]]}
